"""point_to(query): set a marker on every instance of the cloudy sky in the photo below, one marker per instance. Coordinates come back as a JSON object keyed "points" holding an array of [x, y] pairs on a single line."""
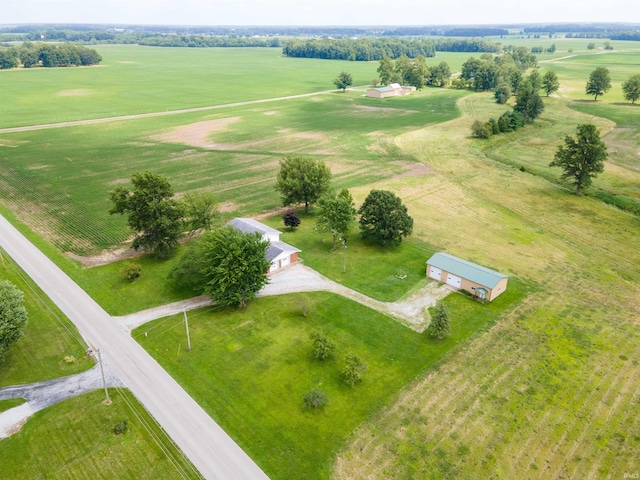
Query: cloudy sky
{"points": [[317, 12]]}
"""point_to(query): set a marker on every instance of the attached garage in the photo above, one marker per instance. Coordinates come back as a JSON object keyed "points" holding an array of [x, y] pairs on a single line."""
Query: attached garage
{"points": [[484, 283]]}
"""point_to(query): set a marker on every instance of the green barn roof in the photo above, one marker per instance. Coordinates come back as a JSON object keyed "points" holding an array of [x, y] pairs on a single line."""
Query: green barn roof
{"points": [[469, 270]]}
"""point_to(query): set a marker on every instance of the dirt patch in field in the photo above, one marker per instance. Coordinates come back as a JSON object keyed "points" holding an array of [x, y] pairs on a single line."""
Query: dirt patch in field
{"points": [[414, 169], [105, 257], [271, 112], [76, 92], [196, 134]]}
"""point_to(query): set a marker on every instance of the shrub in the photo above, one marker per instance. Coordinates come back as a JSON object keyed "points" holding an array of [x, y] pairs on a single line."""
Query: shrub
{"points": [[323, 347], [481, 130], [291, 219], [121, 427], [316, 398], [353, 370], [131, 271]]}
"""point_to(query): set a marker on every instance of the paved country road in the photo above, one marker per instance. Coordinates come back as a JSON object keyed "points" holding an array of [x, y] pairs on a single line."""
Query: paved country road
{"points": [[208, 447]]}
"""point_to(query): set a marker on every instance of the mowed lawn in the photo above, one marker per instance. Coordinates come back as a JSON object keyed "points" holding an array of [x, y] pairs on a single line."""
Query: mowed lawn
{"points": [[249, 368], [76, 439]]}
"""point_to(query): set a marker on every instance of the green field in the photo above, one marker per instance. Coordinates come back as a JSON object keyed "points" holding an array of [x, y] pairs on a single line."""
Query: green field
{"points": [[249, 368], [47, 339], [547, 390], [75, 439]]}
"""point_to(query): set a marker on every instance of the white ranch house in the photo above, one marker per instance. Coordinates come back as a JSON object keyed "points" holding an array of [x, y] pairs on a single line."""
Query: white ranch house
{"points": [[280, 254]]}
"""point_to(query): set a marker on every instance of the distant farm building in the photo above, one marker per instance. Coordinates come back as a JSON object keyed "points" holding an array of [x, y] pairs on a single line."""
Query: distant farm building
{"points": [[484, 283], [280, 254], [391, 90]]}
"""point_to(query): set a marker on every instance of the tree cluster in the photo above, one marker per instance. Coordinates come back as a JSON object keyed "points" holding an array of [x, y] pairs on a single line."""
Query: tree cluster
{"points": [[489, 71], [509, 121], [413, 71], [48, 55], [361, 49]]}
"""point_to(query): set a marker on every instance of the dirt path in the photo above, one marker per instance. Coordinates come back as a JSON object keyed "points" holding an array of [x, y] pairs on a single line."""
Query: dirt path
{"points": [[160, 114], [411, 311]]}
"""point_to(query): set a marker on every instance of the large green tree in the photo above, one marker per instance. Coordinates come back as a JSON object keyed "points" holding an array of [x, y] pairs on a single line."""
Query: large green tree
{"points": [[550, 83], [631, 88], [384, 219], [528, 101], [440, 75], [343, 80], [13, 315], [599, 82], [386, 71], [200, 211], [335, 214], [582, 159], [151, 212], [302, 180], [226, 264]]}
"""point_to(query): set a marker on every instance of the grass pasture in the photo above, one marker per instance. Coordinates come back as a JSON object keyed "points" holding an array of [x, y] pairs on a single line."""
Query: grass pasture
{"points": [[249, 368], [75, 439]]}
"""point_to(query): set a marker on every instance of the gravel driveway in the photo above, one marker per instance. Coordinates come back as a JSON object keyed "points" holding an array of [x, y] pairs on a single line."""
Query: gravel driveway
{"points": [[411, 311]]}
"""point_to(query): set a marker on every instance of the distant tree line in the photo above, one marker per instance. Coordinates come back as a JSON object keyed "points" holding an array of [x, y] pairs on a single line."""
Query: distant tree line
{"points": [[47, 55], [365, 49], [635, 36], [204, 41], [362, 49], [475, 32]]}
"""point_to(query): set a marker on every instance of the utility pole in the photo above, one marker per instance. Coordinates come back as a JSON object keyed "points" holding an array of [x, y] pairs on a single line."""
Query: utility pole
{"points": [[104, 383], [344, 256], [186, 324]]}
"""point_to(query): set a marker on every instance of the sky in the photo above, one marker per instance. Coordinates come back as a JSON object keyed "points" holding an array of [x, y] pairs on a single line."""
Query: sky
{"points": [[317, 12]]}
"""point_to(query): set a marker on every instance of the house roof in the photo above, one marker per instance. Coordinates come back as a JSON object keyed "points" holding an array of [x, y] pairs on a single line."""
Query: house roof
{"points": [[249, 225], [384, 89], [465, 269], [278, 248]]}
